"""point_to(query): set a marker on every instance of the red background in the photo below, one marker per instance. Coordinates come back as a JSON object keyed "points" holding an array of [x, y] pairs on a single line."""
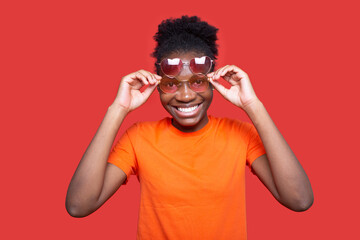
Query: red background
{"points": [[61, 63]]}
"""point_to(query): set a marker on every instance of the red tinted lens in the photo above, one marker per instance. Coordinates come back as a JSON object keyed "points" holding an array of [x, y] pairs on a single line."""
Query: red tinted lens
{"points": [[169, 85], [200, 65], [199, 84], [171, 67]]}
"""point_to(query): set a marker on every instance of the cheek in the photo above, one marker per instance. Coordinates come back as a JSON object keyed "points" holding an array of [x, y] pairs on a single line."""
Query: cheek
{"points": [[164, 99], [208, 96]]}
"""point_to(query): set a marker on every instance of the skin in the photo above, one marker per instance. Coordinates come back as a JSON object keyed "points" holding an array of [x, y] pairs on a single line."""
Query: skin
{"points": [[279, 170], [95, 180], [185, 97]]}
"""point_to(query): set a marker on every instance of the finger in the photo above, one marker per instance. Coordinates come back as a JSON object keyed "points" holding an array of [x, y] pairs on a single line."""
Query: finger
{"points": [[154, 78], [214, 74], [233, 74], [140, 77], [210, 74], [231, 80], [228, 71], [217, 73], [240, 73], [137, 84], [149, 76], [219, 87], [148, 91], [158, 78]]}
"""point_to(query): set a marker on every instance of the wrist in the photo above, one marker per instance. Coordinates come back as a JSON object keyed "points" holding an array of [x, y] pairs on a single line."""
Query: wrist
{"points": [[254, 109], [118, 109], [253, 106]]}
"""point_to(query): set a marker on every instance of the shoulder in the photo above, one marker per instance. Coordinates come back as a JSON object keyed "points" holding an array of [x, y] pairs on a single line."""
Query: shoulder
{"points": [[152, 124], [145, 133], [147, 127], [233, 132]]}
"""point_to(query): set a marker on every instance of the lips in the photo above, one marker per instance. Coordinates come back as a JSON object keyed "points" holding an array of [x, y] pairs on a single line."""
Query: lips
{"points": [[187, 111]]}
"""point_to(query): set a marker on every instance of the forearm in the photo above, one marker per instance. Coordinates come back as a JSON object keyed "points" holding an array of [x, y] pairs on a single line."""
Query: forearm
{"points": [[292, 184], [86, 184]]}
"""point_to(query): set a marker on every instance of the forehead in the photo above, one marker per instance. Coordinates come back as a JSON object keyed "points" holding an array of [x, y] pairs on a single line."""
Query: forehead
{"points": [[184, 56]]}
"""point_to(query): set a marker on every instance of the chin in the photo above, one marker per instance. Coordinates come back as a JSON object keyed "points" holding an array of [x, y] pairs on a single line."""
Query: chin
{"points": [[187, 122]]}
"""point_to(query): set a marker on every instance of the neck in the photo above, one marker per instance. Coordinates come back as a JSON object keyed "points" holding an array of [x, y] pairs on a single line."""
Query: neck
{"points": [[202, 123]]}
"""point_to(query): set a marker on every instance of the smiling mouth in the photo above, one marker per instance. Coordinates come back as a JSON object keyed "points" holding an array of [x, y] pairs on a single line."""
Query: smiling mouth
{"points": [[188, 109]]}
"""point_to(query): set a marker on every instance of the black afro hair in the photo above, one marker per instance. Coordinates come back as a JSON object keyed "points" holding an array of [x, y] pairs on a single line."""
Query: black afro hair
{"points": [[185, 34]]}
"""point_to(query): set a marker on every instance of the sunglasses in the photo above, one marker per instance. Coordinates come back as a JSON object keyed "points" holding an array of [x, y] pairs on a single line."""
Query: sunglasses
{"points": [[171, 85], [199, 66]]}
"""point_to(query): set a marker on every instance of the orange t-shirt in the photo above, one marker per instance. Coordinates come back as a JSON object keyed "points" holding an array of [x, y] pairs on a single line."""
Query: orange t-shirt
{"points": [[192, 184]]}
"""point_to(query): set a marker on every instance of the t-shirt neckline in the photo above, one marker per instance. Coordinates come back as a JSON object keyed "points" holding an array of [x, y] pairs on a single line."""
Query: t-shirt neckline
{"points": [[189, 134]]}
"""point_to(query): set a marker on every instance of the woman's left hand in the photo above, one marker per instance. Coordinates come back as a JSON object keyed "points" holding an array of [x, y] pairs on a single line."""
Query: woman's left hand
{"points": [[241, 92]]}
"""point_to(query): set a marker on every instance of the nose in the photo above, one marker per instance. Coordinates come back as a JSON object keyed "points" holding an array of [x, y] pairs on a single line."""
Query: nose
{"points": [[184, 93]]}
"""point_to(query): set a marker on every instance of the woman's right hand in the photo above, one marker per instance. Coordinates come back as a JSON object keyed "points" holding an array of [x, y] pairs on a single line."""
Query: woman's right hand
{"points": [[129, 96], [95, 180]]}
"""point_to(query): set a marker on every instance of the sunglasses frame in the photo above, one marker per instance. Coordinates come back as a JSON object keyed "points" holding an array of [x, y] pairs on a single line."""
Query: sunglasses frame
{"points": [[179, 83], [186, 64]]}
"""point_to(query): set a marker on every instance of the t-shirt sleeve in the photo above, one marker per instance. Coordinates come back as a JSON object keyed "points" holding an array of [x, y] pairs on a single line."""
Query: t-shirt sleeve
{"points": [[123, 155], [255, 146]]}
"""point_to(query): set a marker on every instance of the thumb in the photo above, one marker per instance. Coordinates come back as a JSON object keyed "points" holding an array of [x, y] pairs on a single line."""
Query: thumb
{"points": [[218, 86]]}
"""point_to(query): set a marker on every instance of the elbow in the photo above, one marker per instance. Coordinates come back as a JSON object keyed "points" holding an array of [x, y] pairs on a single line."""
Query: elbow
{"points": [[298, 202], [75, 210], [302, 204]]}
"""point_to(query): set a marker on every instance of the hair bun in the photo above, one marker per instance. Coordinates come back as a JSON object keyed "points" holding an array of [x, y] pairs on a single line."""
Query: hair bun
{"points": [[192, 25], [183, 31]]}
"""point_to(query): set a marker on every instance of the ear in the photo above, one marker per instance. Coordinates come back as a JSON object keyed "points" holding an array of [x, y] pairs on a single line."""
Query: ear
{"points": [[211, 86]]}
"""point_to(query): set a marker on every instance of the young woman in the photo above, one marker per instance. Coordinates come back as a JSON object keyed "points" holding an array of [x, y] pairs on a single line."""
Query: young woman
{"points": [[190, 166]]}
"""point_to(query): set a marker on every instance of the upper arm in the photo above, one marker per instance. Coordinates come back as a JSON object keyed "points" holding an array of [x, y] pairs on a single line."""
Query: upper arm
{"points": [[262, 170], [114, 178]]}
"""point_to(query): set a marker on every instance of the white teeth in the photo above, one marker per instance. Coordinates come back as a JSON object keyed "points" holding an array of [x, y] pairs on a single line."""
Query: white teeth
{"points": [[190, 109]]}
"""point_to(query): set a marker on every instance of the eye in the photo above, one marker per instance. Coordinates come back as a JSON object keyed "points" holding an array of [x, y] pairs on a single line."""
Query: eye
{"points": [[198, 81], [168, 83]]}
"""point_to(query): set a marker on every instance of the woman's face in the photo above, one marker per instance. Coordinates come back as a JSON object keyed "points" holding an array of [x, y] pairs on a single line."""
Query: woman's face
{"points": [[188, 108]]}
